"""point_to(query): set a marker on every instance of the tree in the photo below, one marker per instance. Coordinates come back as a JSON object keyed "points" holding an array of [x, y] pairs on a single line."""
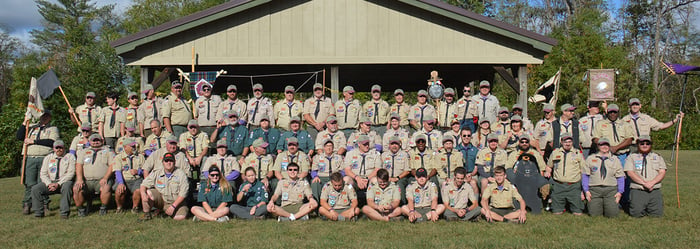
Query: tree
{"points": [[9, 47], [145, 14]]}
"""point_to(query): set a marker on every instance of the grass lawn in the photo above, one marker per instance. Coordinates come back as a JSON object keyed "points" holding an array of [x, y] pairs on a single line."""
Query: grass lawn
{"points": [[677, 229]]}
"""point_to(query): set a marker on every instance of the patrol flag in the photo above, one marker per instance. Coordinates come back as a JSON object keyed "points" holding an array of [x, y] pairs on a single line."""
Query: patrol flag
{"points": [[679, 68], [35, 107], [547, 92], [47, 83]]}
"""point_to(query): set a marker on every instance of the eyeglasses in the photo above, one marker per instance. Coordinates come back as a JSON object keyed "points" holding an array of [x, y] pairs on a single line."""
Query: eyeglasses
{"points": [[645, 143], [524, 141], [178, 87], [192, 127], [56, 148], [292, 145], [365, 144], [134, 97], [333, 122], [257, 90], [168, 161], [86, 130], [292, 170], [466, 135], [97, 140], [289, 92], [214, 175], [231, 91], [206, 89]]}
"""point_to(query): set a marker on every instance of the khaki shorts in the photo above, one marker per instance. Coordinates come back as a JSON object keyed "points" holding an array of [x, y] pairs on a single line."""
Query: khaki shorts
{"points": [[131, 185], [293, 208], [93, 186], [502, 211], [161, 204], [423, 211]]}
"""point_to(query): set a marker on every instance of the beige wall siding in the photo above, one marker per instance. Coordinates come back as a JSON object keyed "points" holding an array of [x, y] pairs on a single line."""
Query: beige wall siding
{"points": [[335, 32]]}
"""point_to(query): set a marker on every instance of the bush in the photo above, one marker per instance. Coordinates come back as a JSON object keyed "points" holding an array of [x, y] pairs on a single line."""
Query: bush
{"points": [[11, 151]]}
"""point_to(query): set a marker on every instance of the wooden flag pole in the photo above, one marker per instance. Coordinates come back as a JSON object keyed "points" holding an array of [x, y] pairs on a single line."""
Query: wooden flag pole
{"points": [[24, 149], [69, 106], [678, 141]]}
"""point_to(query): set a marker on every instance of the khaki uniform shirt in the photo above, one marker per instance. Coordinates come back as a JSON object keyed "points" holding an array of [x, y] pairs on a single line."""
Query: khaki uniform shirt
{"points": [[89, 114], [501, 198], [170, 188], [446, 113], [338, 200], [325, 109], [256, 109], [466, 112], [377, 111], [421, 197], [479, 139], [155, 162], [401, 133], [292, 192], [194, 145], [106, 119], [543, 133], [154, 142], [566, 167], [95, 162], [353, 160], [285, 158], [445, 164], [178, 110], [486, 159], [384, 196], [419, 160], [348, 114], [325, 166], [131, 116], [284, 111], [487, 109], [38, 133], [434, 139], [262, 164], [512, 144], [458, 197], [612, 165], [228, 165], [122, 163], [604, 128], [513, 159], [501, 128], [646, 170], [374, 139], [237, 105], [642, 125], [205, 110], [396, 163], [51, 171], [418, 111], [120, 144], [586, 124], [338, 139], [402, 109], [78, 143], [146, 113]]}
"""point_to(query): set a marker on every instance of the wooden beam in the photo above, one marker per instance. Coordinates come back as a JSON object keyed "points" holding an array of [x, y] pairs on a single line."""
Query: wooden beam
{"points": [[522, 94], [163, 76], [509, 78], [335, 82]]}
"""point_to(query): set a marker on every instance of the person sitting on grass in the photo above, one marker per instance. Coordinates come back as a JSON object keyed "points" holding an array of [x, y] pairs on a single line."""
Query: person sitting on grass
{"points": [[215, 195], [292, 190], [338, 200], [253, 194], [165, 189], [383, 199], [459, 198], [422, 197], [497, 200]]}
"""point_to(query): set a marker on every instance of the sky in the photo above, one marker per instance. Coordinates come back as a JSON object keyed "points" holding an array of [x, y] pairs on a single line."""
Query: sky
{"points": [[22, 15]]}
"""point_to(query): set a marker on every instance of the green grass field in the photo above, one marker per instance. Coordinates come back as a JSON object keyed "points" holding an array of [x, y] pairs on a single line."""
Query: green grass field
{"points": [[677, 229]]}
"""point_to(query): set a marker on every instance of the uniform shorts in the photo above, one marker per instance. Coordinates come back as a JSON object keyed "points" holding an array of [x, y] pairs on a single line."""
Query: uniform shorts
{"points": [[131, 185], [423, 210], [502, 211], [292, 208], [161, 204], [93, 186]]}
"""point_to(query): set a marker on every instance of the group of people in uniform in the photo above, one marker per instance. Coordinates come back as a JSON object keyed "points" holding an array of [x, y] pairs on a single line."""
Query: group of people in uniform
{"points": [[461, 159]]}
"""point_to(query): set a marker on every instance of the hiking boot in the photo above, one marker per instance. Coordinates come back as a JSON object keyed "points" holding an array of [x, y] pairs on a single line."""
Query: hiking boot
{"points": [[82, 212], [145, 217], [26, 209], [103, 210]]}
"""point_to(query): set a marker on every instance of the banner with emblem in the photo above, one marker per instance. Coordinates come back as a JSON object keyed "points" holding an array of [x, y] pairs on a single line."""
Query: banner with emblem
{"points": [[601, 84], [197, 80]]}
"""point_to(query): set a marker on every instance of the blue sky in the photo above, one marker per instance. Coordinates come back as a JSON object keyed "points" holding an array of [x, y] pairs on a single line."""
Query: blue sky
{"points": [[22, 15]]}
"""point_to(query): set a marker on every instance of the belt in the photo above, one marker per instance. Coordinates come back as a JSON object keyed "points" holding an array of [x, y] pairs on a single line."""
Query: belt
{"points": [[567, 183]]}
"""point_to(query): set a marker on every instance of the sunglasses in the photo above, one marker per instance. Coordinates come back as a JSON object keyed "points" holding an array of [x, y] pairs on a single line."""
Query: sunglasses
{"points": [[97, 140], [365, 144], [645, 143], [293, 170], [60, 147], [168, 161], [318, 89], [524, 141], [467, 90], [257, 90], [192, 127], [90, 97], [289, 92], [214, 175], [134, 97], [206, 89], [231, 91], [178, 87], [466, 135], [292, 145], [86, 130]]}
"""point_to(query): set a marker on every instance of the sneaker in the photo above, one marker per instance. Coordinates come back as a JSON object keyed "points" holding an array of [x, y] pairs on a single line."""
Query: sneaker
{"points": [[195, 219], [26, 209], [82, 212], [341, 218], [222, 219], [145, 217], [262, 217], [305, 217], [119, 211], [281, 219], [135, 210], [421, 219], [103, 211]]}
